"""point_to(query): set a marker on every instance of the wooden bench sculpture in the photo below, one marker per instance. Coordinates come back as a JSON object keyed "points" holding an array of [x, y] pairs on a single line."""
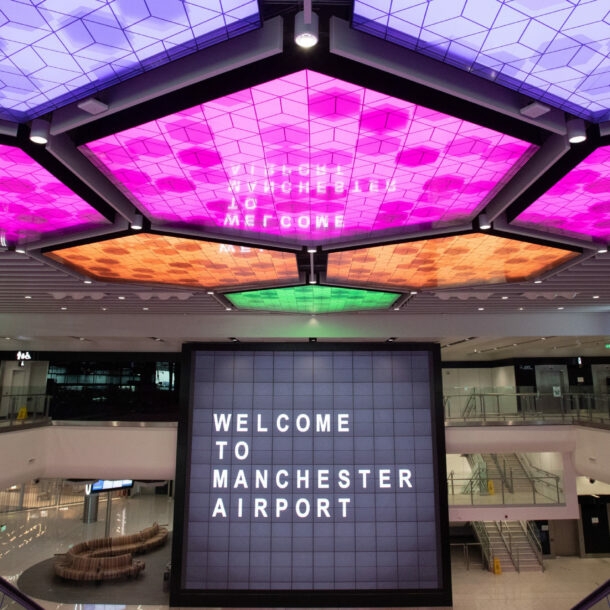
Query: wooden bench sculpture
{"points": [[109, 558]]}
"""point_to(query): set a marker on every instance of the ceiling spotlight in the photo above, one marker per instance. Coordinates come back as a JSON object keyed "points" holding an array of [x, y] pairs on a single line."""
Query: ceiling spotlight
{"points": [[576, 131], [138, 222], [313, 340], [233, 339], [39, 131], [390, 340], [484, 222], [306, 28], [602, 249]]}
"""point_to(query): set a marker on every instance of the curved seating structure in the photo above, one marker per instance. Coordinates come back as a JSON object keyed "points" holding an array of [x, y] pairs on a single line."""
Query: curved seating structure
{"points": [[109, 558]]}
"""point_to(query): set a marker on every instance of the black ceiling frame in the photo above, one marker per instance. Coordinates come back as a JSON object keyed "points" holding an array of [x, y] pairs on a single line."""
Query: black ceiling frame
{"points": [[58, 170], [294, 59]]}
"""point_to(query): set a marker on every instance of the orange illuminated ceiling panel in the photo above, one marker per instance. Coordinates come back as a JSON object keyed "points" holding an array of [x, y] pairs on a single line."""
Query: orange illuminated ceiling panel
{"points": [[178, 261], [445, 262]]}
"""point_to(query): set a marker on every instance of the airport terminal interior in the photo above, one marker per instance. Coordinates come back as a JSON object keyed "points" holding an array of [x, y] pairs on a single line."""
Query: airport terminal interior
{"points": [[419, 174]]}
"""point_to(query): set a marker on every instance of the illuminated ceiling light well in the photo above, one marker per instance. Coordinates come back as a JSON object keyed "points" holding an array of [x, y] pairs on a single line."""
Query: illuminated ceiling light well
{"points": [[312, 299], [177, 261], [355, 182], [576, 131], [306, 29], [445, 262], [65, 51], [39, 131]]}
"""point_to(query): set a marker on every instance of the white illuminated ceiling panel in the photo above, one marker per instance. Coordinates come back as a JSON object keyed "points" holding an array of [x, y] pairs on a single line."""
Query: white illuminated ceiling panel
{"points": [[553, 50], [53, 52]]}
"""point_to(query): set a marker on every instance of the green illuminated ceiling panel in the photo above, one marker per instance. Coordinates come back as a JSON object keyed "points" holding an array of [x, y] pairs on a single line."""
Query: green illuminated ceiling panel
{"points": [[312, 299]]}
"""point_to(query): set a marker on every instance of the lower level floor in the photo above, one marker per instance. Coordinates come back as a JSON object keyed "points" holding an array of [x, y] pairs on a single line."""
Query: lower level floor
{"points": [[32, 538]]}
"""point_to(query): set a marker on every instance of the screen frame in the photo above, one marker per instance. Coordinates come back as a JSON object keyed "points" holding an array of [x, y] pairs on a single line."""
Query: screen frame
{"points": [[440, 596]]}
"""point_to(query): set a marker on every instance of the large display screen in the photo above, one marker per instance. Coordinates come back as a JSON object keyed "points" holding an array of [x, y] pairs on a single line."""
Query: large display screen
{"points": [[311, 475]]}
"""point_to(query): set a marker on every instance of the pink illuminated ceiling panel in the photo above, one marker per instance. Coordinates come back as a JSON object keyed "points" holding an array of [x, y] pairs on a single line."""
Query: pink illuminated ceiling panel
{"points": [[577, 205], [307, 158], [34, 203]]}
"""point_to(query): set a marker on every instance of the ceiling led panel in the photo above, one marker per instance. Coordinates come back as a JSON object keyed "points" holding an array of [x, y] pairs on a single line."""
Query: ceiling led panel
{"points": [[312, 299], [577, 205], [53, 52], [445, 262], [309, 158], [555, 51], [179, 262], [33, 203]]}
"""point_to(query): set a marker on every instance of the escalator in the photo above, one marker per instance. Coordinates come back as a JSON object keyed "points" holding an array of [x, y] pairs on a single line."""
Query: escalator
{"points": [[11, 597]]}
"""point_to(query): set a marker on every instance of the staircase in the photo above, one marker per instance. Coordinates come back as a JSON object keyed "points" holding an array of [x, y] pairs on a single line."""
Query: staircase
{"points": [[508, 475], [513, 544]]}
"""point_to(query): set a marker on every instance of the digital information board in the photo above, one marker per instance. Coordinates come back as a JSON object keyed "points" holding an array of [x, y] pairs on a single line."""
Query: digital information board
{"points": [[311, 475]]}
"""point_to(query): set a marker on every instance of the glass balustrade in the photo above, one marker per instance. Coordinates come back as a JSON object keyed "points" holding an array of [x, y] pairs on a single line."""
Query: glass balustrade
{"points": [[478, 490], [526, 407]]}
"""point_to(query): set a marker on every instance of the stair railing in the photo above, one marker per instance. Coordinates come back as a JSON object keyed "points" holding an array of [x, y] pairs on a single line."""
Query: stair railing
{"points": [[507, 538], [502, 470], [534, 540], [543, 482], [471, 404], [483, 538]]}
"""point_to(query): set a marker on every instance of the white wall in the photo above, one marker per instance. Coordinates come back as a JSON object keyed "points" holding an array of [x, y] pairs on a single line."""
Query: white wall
{"points": [[149, 452], [88, 452]]}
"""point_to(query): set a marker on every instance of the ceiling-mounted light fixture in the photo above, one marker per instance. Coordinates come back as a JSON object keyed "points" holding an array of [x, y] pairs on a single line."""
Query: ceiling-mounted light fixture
{"points": [[576, 131], [92, 105], [138, 222], [306, 27], [39, 131], [534, 110], [484, 222], [602, 249]]}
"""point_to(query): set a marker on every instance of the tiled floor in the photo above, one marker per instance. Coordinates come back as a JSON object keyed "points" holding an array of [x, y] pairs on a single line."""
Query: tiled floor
{"points": [[32, 536]]}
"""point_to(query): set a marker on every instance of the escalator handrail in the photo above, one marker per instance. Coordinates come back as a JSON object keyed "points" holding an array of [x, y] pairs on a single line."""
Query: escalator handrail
{"points": [[603, 591], [15, 594]]}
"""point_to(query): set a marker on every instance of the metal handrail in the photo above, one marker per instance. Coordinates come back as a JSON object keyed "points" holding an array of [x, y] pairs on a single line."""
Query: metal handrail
{"points": [[19, 599], [502, 525], [483, 538], [533, 540], [541, 478], [571, 408], [19, 408], [502, 470], [602, 592]]}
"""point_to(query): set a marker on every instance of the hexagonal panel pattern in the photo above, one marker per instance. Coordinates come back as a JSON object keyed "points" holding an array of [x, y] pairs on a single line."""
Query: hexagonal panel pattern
{"points": [[159, 259], [56, 51], [446, 262], [307, 159], [312, 299], [34, 203], [578, 205], [552, 50]]}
